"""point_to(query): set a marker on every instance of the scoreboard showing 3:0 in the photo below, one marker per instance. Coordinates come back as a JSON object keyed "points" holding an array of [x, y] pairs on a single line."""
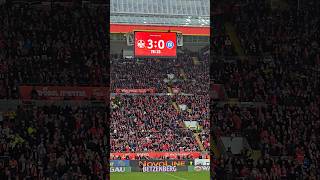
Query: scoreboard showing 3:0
{"points": [[155, 44]]}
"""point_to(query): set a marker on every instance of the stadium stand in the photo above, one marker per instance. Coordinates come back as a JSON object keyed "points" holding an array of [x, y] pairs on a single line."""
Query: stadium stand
{"points": [[160, 105], [54, 141], [53, 44], [52, 47], [149, 123], [155, 121], [278, 76], [150, 73]]}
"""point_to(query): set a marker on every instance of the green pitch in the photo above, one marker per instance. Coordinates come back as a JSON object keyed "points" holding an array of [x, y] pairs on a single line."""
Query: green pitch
{"points": [[161, 176]]}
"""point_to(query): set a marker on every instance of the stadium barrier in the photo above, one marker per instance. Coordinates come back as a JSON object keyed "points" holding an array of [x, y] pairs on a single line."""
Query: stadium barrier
{"points": [[202, 162], [136, 91], [198, 168], [159, 165], [63, 92], [120, 169]]}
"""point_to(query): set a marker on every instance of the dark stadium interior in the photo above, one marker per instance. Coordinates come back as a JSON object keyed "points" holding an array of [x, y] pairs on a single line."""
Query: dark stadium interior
{"points": [[59, 46], [265, 60], [52, 45]]}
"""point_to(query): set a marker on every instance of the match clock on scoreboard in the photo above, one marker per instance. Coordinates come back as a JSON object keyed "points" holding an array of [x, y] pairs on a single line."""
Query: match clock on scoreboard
{"points": [[155, 44]]}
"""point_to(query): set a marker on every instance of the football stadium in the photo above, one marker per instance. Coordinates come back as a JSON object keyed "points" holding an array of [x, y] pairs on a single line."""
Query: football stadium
{"points": [[80, 98], [159, 82]]}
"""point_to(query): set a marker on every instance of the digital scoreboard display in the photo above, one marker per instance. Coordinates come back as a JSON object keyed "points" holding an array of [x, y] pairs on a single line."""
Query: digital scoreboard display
{"points": [[155, 44]]}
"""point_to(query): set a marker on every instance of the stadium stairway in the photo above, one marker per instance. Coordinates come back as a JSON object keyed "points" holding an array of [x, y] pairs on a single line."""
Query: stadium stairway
{"points": [[183, 74], [196, 135], [235, 40], [175, 105], [215, 149], [169, 90], [195, 60]]}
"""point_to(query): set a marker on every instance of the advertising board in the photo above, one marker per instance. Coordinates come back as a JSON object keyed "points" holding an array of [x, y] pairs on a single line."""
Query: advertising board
{"points": [[160, 165], [120, 169], [198, 168], [159, 169], [202, 162], [62, 92]]}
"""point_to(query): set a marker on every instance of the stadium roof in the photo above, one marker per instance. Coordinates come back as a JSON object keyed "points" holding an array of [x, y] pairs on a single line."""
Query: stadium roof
{"points": [[161, 20], [195, 31], [161, 12]]}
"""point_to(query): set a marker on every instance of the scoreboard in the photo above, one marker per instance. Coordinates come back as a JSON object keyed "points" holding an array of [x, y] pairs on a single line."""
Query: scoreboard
{"points": [[155, 44]]}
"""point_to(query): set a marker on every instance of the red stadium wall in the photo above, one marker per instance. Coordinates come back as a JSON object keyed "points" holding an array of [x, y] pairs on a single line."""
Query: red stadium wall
{"points": [[125, 28], [62, 92]]}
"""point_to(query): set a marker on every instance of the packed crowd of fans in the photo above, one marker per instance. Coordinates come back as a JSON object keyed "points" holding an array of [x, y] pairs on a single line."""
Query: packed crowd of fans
{"points": [[52, 45], [282, 72], [152, 123], [182, 73], [288, 55], [145, 156], [197, 109], [59, 46], [268, 81], [280, 131], [144, 74], [54, 141], [266, 168]]}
